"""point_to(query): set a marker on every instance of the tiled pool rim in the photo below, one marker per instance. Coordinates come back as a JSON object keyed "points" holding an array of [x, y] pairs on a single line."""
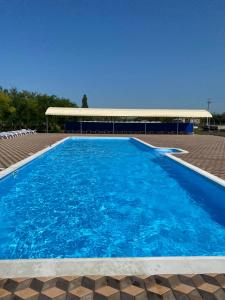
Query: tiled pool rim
{"points": [[112, 266]]}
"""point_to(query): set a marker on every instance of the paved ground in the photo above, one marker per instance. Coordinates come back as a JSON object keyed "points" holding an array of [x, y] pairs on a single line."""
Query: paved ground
{"points": [[206, 152], [16, 149], [165, 287]]}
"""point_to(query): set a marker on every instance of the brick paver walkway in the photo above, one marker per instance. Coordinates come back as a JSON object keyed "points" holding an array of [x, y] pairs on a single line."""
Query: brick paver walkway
{"points": [[206, 152], [164, 287]]}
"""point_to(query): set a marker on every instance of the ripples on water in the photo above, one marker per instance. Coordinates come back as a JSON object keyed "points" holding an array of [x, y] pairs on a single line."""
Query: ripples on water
{"points": [[109, 198]]}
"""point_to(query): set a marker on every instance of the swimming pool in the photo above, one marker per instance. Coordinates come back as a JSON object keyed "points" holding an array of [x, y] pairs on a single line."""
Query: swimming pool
{"points": [[109, 197]]}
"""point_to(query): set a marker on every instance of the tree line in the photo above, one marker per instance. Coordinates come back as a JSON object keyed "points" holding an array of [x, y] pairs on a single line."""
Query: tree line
{"points": [[24, 109], [219, 119]]}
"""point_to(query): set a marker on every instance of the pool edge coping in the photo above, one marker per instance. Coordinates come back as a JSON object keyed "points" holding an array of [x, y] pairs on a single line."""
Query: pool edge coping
{"points": [[112, 266], [194, 168], [28, 159], [23, 162]]}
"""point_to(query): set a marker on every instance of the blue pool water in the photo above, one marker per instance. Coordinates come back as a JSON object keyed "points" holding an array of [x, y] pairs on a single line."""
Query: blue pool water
{"points": [[109, 198]]}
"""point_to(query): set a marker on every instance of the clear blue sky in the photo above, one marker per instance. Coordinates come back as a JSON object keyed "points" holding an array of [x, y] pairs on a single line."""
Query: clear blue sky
{"points": [[128, 53]]}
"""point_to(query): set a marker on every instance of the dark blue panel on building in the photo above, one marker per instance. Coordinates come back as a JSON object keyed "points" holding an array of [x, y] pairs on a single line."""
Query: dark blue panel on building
{"points": [[103, 127], [128, 127]]}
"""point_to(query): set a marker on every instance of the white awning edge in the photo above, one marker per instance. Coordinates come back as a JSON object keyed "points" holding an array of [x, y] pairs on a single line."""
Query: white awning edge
{"points": [[129, 112]]}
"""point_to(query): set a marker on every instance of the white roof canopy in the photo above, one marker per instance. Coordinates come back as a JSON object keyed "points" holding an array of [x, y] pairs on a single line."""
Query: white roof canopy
{"points": [[117, 112]]}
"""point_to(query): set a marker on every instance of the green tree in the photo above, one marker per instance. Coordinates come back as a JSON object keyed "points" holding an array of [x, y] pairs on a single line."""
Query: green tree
{"points": [[24, 109], [84, 102], [6, 107]]}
